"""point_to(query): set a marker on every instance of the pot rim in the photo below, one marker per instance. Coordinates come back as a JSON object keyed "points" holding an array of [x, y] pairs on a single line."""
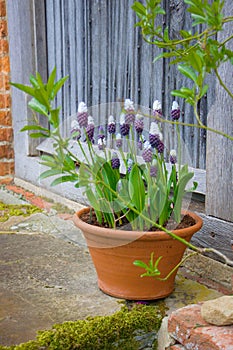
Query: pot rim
{"points": [[133, 235]]}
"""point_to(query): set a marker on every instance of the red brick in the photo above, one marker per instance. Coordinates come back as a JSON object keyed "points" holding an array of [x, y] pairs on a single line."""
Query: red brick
{"points": [[5, 118], [6, 134], [5, 101], [2, 8], [6, 168], [6, 180], [188, 327], [4, 64], [6, 151], [4, 47], [4, 83], [3, 28]]}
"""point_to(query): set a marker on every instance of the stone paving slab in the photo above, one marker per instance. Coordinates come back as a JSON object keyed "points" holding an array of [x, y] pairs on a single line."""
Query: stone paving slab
{"points": [[47, 277]]}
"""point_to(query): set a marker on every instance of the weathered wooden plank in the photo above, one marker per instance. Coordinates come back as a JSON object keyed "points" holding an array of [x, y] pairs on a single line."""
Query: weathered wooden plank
{"points": [[219, 149], [216, 234]]}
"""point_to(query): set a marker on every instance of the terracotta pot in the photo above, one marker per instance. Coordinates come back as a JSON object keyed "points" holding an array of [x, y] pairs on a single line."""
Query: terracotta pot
{"points": [[114, 251]]}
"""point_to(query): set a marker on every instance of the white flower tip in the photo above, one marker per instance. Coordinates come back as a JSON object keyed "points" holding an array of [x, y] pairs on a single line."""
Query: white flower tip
{"points": [[74, 124], [154, 128], [173, 153], [82, 107], [175, 105], [90, 120], [111, 119], [157, 105], [118, 136], [122, 118], [146, 145], [139, 116], [129, 104]]}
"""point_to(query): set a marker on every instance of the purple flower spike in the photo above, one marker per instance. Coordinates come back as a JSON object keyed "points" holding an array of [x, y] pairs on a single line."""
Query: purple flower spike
{"points": [[101, 133], [157, 109], [129, 164], [118, 141], [153, 171], [82, 114], [90, 128], [147, 153], [175, 112], [75, 130], [154, 135], [111, 125], [101, 143], [124, 128], [172, 157], [160, 147], [130, 114], [139, 124], [115, 161]]}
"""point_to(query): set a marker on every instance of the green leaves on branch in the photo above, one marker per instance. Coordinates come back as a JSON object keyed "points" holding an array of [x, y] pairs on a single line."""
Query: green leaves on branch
{"points": [[42, 97], [151, 268]]}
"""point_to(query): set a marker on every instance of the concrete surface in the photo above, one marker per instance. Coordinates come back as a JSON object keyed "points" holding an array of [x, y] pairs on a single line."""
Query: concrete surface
{"points": [[47, 277]]}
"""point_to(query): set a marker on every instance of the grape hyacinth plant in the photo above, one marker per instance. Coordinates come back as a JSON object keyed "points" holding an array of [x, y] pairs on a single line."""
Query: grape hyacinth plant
{"points": [[124, 182]]}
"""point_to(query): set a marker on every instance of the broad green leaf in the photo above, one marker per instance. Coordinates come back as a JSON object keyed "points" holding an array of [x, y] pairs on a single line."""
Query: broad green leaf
{"points": [[38, 135], [136, 188], [183, 181], [25, 88], [34, 127], [204, 90], [50, 83], [34, 82], [54, 117], [38, 107], [139, 8], [50, 172], [65, 178], [188, 72], [57, 86]]}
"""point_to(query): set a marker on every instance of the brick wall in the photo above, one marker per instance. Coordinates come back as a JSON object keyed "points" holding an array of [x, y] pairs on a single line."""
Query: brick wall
{"points": [[6, 130]]}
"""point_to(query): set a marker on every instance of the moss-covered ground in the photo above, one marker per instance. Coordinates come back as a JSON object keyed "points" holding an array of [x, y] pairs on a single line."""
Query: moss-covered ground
{"points": [[131, 328]]}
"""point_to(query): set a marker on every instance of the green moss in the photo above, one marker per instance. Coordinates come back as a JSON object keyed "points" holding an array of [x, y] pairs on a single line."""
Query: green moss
{"points": [[8, 210], [126, 329]]}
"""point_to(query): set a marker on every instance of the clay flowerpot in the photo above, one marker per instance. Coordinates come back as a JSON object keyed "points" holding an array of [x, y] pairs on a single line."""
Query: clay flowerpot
{"points": [[114, 251]]}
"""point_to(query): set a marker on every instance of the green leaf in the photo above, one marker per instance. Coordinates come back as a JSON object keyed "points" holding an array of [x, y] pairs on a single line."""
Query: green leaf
{"points": [[34, 82], [38, 107], [139, 8], [204, 90], [137, 188], [65, 178], [34, 127], [58, 85], [188, 72], [25, 88], [50, 83], [180, 190], [54, 117], [50, 172], [38, 135]]}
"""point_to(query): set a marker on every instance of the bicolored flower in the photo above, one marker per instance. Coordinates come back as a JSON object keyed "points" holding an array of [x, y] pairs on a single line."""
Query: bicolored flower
{"points": [[147, 153], [111, 125], [160, 147], [139, 124], [129, 165], [115, 161], [124, 127], [154, 135], [101, 143], [101, 134], [130, 113], [118, 141], [157, 109], [153, 169], [82, 114], [172, 156], [141, 141], [175, 112], [75, 130], [90, 128]]}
